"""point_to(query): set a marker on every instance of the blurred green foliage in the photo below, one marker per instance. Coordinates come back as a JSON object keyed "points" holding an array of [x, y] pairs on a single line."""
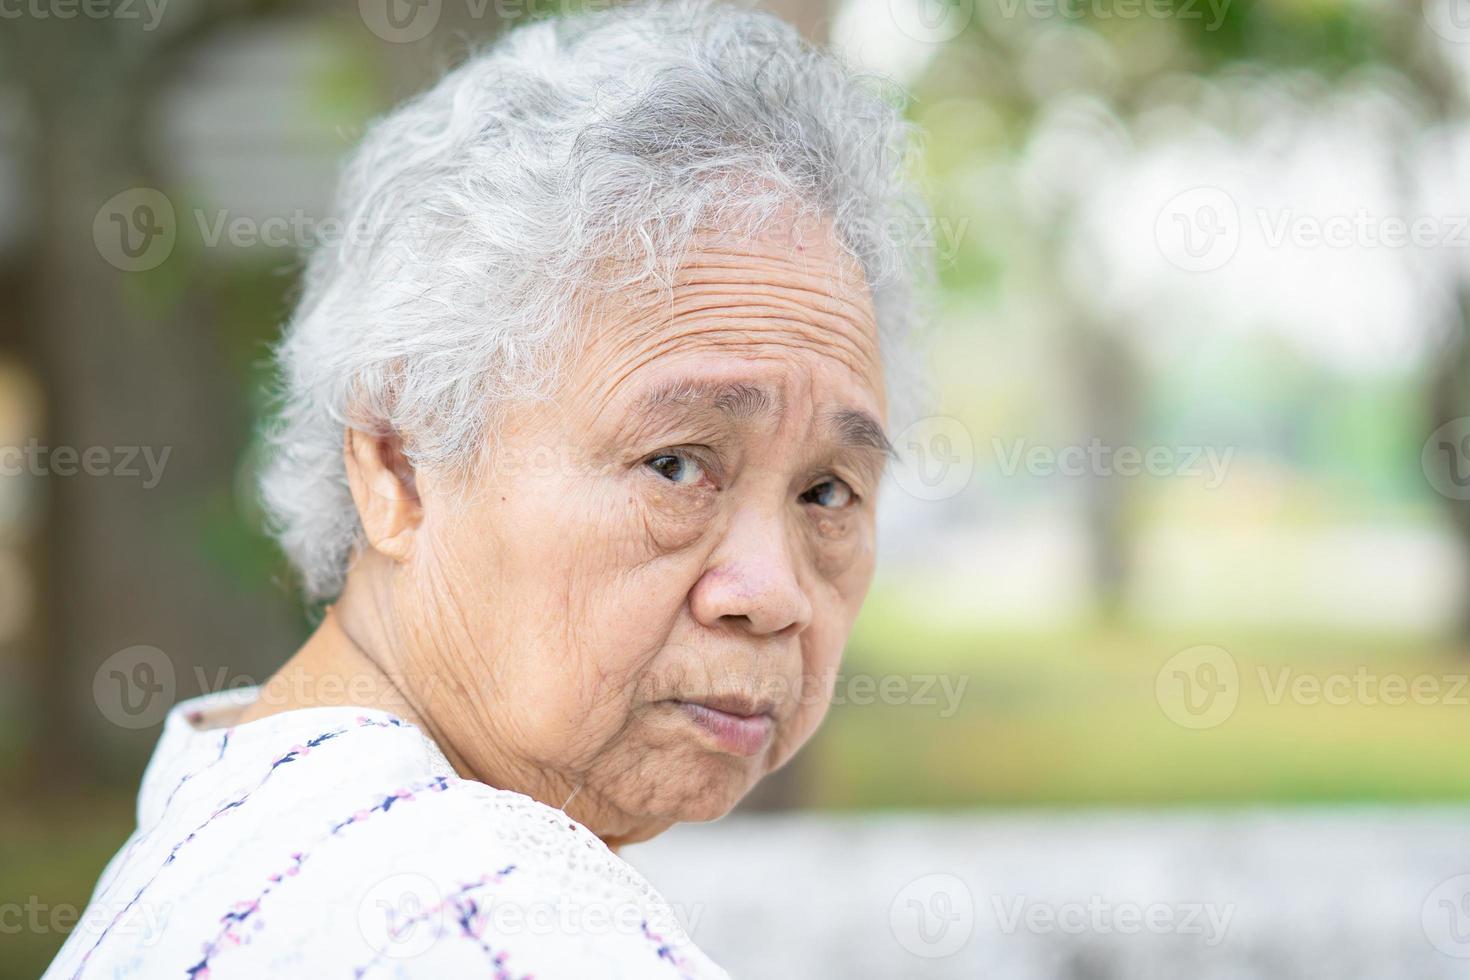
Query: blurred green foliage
{"points": [[1071, 717]]}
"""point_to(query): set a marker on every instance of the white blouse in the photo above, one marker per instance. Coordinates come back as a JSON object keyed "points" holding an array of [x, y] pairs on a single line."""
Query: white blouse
{"points": [[338, 842]]}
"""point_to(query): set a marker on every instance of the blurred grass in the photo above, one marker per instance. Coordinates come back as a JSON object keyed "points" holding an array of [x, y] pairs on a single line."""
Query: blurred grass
{"points": [[51, 853], [1071, 718], [1065, 718]]}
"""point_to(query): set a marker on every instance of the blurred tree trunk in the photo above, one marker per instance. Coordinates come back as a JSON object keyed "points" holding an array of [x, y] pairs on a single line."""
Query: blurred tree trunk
{"points": [[120, 368], [1420, 57], [1108, 380], [1449, 399]]}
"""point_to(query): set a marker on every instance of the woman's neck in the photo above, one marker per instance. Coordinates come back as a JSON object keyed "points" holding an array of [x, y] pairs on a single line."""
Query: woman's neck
{"points": [[337, 667], [333, 670]]}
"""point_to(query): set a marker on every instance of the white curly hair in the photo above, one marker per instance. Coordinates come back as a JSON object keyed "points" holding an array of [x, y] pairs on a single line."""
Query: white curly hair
{"points": [[481, 212]]}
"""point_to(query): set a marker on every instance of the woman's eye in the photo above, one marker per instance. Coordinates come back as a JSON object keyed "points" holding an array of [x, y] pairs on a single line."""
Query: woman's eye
{"points": [[829, 493], [677, 468]]}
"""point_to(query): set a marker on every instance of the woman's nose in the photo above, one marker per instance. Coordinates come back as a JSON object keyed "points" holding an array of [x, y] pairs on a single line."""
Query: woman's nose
{"points": [[752, 582]]}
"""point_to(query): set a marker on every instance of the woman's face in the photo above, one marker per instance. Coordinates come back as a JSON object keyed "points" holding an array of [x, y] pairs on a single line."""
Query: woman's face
{"points": [[646, 598]]}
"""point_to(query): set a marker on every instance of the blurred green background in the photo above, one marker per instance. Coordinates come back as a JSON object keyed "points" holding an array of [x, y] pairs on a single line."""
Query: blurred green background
{"points": [[1125, 194]]}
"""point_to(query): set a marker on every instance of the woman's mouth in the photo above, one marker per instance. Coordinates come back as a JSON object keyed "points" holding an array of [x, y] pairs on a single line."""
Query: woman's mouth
{"points": [[737, 728]]}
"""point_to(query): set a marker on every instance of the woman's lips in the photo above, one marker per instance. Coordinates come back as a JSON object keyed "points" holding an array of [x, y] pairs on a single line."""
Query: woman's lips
{"points": [[737, 734]]}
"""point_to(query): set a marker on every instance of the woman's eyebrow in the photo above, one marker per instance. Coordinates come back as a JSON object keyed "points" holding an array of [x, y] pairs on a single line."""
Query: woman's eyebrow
{"points": [[857, 429], [740, 400], [744, 400]]}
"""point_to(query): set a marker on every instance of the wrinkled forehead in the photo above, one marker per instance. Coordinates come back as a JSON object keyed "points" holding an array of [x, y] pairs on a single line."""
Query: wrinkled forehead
{"points": [[786, 291]]}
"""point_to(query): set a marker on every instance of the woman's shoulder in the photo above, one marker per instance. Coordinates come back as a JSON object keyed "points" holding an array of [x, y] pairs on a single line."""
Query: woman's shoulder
{"points": [[496, 872], [330, 842], [481, 881]]}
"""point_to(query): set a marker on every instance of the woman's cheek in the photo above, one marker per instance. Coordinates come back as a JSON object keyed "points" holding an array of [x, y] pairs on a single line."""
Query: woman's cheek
{"points": [[841, 542], [813, 701], [671, 518]]}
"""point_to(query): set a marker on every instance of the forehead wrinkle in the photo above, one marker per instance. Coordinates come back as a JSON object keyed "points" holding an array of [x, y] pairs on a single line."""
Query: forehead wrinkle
{"points": [[754, 325], [818, 260], [825, 279], [830, 306], [828, 289], [721, 299], [763, 318]]}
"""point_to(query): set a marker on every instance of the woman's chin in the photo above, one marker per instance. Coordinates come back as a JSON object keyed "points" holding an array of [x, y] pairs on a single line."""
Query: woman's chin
{"points": [[707, 793], [711, 807]]}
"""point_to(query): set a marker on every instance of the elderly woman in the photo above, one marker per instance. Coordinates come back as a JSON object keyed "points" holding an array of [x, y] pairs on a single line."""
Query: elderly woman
{"points": [[581, 433]]}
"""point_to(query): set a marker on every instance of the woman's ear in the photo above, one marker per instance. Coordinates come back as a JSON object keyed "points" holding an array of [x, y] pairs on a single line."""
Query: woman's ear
{"points": [[385, 491]]}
